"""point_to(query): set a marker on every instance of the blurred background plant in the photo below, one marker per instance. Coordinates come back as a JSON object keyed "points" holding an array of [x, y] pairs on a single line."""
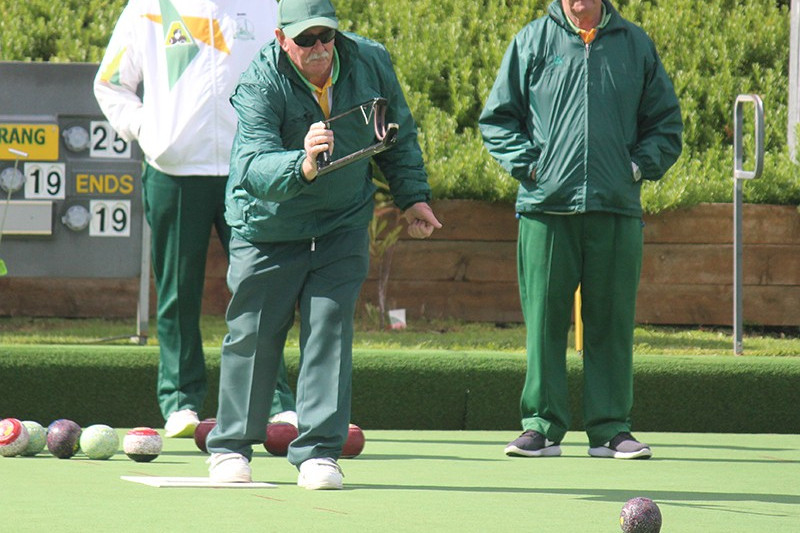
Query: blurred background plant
{"points": [[384, 231]]}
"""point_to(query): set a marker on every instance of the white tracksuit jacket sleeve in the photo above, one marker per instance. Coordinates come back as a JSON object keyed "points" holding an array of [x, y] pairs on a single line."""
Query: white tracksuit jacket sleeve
{"points": [[119, 102]]}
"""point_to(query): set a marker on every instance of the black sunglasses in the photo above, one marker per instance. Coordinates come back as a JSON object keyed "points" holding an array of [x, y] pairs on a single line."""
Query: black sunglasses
{"points": [[307, 40]]}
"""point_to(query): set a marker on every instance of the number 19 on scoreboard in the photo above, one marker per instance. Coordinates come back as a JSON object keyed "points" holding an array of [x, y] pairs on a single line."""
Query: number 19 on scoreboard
{"points": [[110, 218]]}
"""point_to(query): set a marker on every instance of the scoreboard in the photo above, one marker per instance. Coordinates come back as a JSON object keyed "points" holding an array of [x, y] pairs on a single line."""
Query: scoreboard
{"points": [[70, 187]]}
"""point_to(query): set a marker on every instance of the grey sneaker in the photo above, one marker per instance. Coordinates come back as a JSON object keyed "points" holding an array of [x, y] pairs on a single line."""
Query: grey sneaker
{"points": [[533, 444], [622, 446]]}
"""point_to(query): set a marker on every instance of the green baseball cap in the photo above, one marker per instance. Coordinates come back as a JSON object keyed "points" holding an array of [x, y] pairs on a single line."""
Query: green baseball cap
{"points": [[296, 16]]}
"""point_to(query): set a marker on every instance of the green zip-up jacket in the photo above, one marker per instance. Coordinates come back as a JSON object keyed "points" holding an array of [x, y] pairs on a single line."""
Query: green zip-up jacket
{"points": [[268, 198], [579, 115]]}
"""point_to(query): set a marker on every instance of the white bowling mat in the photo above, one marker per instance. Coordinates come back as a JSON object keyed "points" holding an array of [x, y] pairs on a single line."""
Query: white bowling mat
{"points": [[194, 482]]}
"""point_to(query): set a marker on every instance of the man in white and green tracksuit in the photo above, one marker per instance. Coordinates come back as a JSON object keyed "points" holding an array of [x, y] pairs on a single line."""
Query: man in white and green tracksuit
{"points": [[300, 240], [581, 112], [186, 55]]}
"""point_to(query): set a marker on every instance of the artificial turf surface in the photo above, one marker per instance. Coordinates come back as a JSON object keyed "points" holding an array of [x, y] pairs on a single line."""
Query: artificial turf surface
{"points": [[425, 481]]}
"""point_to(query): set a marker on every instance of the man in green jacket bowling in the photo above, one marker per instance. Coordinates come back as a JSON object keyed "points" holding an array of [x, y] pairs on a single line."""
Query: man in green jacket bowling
{"points": [[580, 113], [300, 240]]}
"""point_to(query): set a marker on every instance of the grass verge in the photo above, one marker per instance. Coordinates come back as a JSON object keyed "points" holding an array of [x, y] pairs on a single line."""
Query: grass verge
{"points": [[432, 334]]}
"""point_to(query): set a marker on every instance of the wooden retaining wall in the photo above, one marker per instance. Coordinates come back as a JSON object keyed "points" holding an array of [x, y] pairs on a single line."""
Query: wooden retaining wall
{"points": [[467, 271]]}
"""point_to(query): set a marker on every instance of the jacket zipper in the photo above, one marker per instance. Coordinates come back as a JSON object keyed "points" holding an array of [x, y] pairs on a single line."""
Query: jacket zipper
{"points": [[587, 46]]}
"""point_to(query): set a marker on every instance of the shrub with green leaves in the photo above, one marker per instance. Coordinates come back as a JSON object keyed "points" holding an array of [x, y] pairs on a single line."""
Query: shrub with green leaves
{"points": [[58, 31], [447, 54], [714, 51]]}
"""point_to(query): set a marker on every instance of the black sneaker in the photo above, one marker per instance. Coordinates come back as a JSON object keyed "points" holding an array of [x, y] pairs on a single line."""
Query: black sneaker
{"points": [[622, 446], [533, 444]]}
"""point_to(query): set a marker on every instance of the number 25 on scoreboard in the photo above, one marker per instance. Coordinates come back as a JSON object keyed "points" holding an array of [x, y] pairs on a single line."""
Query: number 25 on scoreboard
{"points": [[105, 142]]}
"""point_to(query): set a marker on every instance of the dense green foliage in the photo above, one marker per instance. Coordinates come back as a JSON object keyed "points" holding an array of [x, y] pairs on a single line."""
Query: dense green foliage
{"points": [[67, 30], [447, 53]]}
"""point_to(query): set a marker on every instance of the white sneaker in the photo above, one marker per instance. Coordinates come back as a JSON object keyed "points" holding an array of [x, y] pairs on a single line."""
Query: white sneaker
{"points": [[181, 424], [323, 473], [229, 468], [287, 417]]}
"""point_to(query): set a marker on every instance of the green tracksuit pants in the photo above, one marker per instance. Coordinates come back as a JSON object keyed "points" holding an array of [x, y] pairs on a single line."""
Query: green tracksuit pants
{"points": [[270, 281], [603, 253], [181, 210]]}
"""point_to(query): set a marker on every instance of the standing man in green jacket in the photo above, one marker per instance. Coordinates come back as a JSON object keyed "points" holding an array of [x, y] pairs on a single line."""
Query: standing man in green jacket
{"points": [[581, 112], [300, 240]]}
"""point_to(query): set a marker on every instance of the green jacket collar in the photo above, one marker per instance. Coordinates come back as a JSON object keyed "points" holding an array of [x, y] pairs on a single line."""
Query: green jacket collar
{"points": [[605, 16]]}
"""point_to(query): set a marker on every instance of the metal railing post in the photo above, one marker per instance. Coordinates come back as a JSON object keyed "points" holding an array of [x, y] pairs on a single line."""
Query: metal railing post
{"points": [[739, 174], [143, 308], [794, 78]]}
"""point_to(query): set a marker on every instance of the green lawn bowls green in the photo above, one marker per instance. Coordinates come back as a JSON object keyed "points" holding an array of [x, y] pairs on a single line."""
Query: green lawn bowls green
{"points": [[38, 438], [99, 441]]}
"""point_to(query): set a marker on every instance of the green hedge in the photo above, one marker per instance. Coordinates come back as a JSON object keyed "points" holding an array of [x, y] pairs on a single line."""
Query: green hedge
{"points": [[447, 53], [396, 389]]}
